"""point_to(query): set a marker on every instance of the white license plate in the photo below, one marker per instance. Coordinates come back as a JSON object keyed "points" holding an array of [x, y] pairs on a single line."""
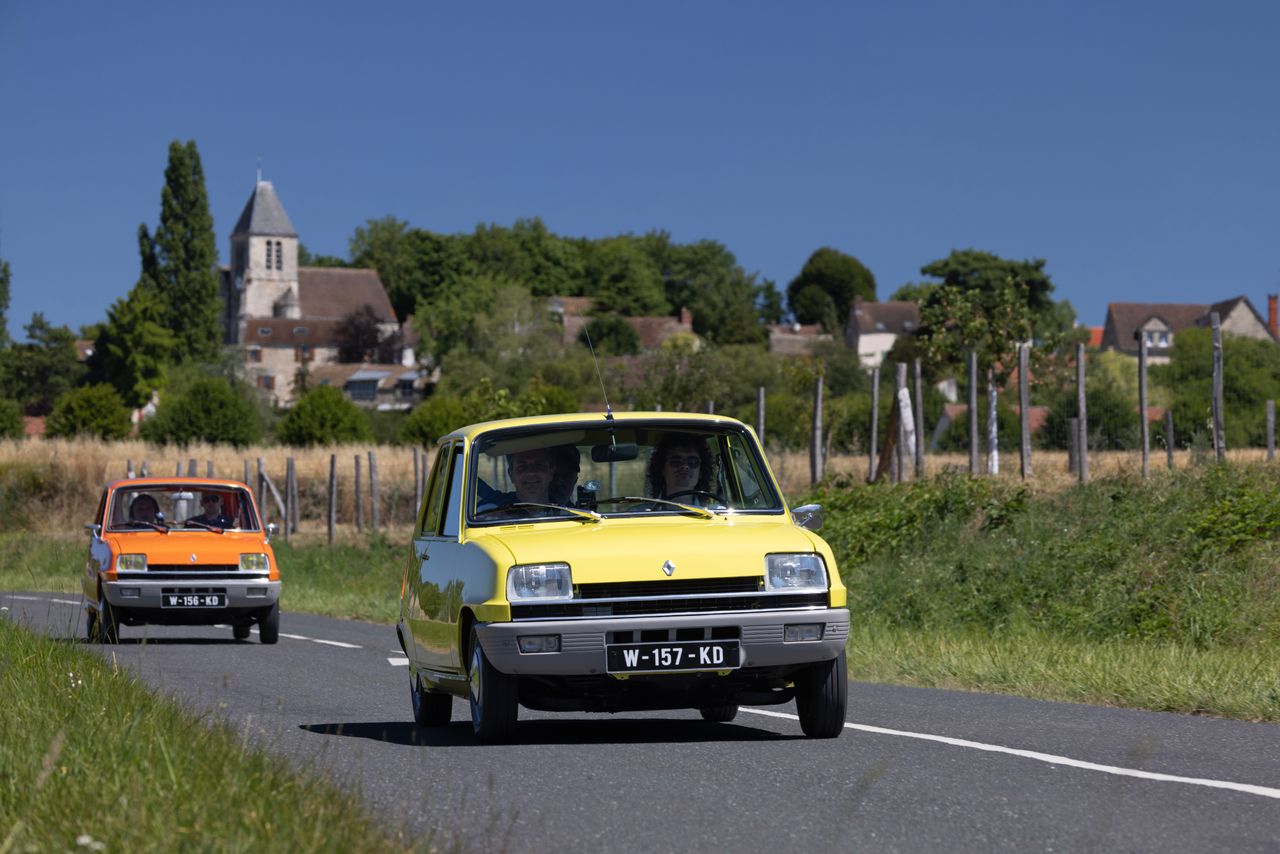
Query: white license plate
{"points": [[672, 656], [193, 600]]}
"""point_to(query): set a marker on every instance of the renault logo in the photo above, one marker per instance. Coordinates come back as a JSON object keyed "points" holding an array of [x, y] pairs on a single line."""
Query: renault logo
{"points": [[193, 558], [669, 568]]}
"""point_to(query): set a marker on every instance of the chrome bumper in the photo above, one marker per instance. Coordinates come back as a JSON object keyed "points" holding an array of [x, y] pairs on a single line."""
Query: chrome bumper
{"points": [[241, 592]]}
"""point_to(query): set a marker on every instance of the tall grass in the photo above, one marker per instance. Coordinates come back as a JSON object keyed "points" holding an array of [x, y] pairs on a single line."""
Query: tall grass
{"points": [[94, 761]]}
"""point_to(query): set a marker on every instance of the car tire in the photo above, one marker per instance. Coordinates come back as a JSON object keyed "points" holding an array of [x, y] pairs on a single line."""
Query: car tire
{"points": [[269, 625], [240, 631], [822, 694], [430, 708], [107, 623], [90, 625], [719, 714], [494, 701]]}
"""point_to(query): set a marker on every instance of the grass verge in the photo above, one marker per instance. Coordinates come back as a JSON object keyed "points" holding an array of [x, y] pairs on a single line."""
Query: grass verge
{"points": [[94, 761]]}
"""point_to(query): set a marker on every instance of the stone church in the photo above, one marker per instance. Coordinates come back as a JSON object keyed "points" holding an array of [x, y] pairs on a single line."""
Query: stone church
{"points": [[285, 317]]}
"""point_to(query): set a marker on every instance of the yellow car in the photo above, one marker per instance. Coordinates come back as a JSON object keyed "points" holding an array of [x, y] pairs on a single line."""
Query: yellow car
{"points": [[607, 563], [180, 551]]}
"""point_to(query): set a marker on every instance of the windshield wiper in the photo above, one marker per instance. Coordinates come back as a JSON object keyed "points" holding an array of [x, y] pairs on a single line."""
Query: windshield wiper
{"points": [[213, 528], [589, 515], [635, 499]]}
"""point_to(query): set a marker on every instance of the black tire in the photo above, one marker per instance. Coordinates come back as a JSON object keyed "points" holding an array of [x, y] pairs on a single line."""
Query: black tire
{"points": [[269, 625], [494, 701], [430, 708], [107, 623], [90, 625], [822, 694], [719, 714], [240, 631]]}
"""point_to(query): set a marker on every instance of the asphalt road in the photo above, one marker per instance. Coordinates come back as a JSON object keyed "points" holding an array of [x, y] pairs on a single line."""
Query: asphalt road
{"points": [[915, 770]]}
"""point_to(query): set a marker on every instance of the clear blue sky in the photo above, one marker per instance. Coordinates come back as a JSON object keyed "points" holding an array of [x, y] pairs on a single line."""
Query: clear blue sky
{"points": [[1134, 146]]}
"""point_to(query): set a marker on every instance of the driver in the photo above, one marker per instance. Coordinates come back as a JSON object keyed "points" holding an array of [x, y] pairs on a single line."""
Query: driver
{"points": [[213, 516], [679, 469], [144, 509]]}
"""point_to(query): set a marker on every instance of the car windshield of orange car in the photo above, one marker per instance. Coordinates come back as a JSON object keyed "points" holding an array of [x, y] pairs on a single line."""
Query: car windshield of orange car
{"points": [[634, 470], [181, 506]]}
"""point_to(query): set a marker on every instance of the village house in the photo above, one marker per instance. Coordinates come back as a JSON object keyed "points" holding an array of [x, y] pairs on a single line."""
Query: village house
{"points": [[283, 316], [1159, 323], [574, 313], [874, 327]]}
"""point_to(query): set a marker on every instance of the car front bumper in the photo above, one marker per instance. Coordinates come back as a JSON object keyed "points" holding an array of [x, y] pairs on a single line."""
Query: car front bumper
{"points": [[583, 641], [147, 595]]}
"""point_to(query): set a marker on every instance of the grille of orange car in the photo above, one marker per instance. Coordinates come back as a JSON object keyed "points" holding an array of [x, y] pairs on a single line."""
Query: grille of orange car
{"points": [[678, 605], [675, 587], [193, 567]]}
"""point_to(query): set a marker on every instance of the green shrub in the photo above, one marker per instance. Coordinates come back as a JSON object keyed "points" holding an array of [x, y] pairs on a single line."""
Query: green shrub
{"points": [[324, 416], [96, 410], [436, 416], [10, 419], [209, 410], [610, 336]]}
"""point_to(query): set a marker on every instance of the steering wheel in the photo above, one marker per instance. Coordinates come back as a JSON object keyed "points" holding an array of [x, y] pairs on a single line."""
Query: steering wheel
{"points": [[696, 493]]}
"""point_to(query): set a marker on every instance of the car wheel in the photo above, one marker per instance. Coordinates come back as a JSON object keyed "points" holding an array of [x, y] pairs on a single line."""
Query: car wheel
{"points": [[822, 693], [719, 714], [269, 625], [494, 706], [90, 625], [107, 624], [430, 708], [240, 631]]}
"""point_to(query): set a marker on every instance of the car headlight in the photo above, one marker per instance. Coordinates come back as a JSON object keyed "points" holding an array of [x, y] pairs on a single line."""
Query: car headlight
{"points": [[131, 563], [795, 573], [541, 581], [254, 563]]}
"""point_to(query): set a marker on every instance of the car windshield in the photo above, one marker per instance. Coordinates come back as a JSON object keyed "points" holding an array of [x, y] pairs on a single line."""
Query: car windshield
{"points": [[181, 506], [631, 470]]}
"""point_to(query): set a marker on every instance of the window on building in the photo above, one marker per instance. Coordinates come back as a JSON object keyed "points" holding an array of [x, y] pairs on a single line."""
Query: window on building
{"points": [[264, 331], [302, 353], [268, 254], [254, 354], [279, 257], [362, 389], [267, 382]]}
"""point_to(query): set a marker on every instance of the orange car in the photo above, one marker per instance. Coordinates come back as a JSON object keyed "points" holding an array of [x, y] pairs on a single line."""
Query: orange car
{"points": [[180, 551]]}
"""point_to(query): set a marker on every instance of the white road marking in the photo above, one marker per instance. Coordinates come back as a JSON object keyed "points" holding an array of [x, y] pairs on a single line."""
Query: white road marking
{"points": [[66, 601], [1246, 788], [398, 662], [26, 598], [322, 640]]}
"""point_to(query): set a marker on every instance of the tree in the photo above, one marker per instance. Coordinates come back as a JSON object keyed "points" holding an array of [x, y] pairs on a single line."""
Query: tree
{"points": [[95, 410], [210, 410], [324, 416], [40, 371], [179, 263], [360, 339], [4, 304], [306, 259], [132, 349], [610, 335], [975, 270], [623, 279], [991, 322], [841, 277], [436, 416], [10, 419], [383, 245]]}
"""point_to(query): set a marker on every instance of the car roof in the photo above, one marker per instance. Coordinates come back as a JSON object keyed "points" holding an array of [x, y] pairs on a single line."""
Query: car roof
{"points": [[595, 419], [195, 482]]}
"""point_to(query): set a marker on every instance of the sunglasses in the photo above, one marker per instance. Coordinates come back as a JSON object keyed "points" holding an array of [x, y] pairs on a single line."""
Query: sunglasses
{"points": [[684, 462]]}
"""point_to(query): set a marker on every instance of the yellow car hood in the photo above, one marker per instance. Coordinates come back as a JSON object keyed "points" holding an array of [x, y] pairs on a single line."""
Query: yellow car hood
{"points": [[636, 549]]}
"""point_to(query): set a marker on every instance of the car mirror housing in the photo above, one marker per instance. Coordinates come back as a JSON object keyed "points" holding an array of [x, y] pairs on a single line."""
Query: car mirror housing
{"points": [[808, 516], [272, 529], [614, 453]]}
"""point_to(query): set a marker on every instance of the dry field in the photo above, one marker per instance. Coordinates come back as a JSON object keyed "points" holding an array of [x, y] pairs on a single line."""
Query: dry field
{"points": [[89, 464]]}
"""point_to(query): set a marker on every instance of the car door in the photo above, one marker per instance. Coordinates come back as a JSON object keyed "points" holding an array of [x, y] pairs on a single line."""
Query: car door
{"points": [[99, 553], [427, 609]]}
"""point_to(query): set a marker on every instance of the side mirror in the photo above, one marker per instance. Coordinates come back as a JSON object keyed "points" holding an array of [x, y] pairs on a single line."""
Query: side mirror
{"points": [[272, 530], [808, 517], [96, 529]]}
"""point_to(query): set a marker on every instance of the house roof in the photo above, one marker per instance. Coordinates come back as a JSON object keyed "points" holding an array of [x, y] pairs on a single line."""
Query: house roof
{"points": [[331, 293], [795, 339], [290, 332], [386, 376], [1127, 317], [900, 317], [264, 215]]}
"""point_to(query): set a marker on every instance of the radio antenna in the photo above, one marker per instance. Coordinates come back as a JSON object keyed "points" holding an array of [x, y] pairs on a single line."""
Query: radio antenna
{"points": [[608, 410]]}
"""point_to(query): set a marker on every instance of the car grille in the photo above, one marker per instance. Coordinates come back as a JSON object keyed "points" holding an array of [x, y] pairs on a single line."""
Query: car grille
{"points": [[193, 567], [653, 606], [675, 587]]}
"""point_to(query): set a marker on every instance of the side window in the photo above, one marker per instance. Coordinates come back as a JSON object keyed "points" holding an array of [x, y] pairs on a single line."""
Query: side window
{"points": [[102, 505], [430, 522], [454, 507]]}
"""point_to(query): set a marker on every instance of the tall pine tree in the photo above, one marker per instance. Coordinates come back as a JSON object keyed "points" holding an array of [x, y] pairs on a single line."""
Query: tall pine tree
{"points": [[179, 263], [4, 303]]}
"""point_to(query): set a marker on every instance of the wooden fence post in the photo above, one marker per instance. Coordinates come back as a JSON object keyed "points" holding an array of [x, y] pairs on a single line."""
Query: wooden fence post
{"points": [[417, 481], [760, 414], [919, 414], [290, 497], [1073, 445], [815, 440], [246, 480], [191, 468], [993, 424], [1168, 436], [1024, 407], [875, 423], [373, 492], [1142, 403], [208, 468], [359, 499], [144, 470], [297, 503], [1082, 443], [711, 407], [262, 491], [1271, 430], [128, 470], [904, 425], [973, 412], [1219, 430], [333, 494]]}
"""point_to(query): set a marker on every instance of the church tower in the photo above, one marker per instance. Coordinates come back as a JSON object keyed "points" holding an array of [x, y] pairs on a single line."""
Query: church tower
{"points": [[264, 263]]}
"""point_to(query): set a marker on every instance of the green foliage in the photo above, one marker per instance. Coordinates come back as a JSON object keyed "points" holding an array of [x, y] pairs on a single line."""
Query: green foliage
{"points": [[1250, 377], [134, 347], [179, 263], [38, 372], [436, 416], [975, 270], [361, 339], [840, 277], [1112, 411], [95, 410], [4, 303], [10, 419], [610, 335], [623, 279], [210, 410], [306, 259], [324, 416], [492, 321]]}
